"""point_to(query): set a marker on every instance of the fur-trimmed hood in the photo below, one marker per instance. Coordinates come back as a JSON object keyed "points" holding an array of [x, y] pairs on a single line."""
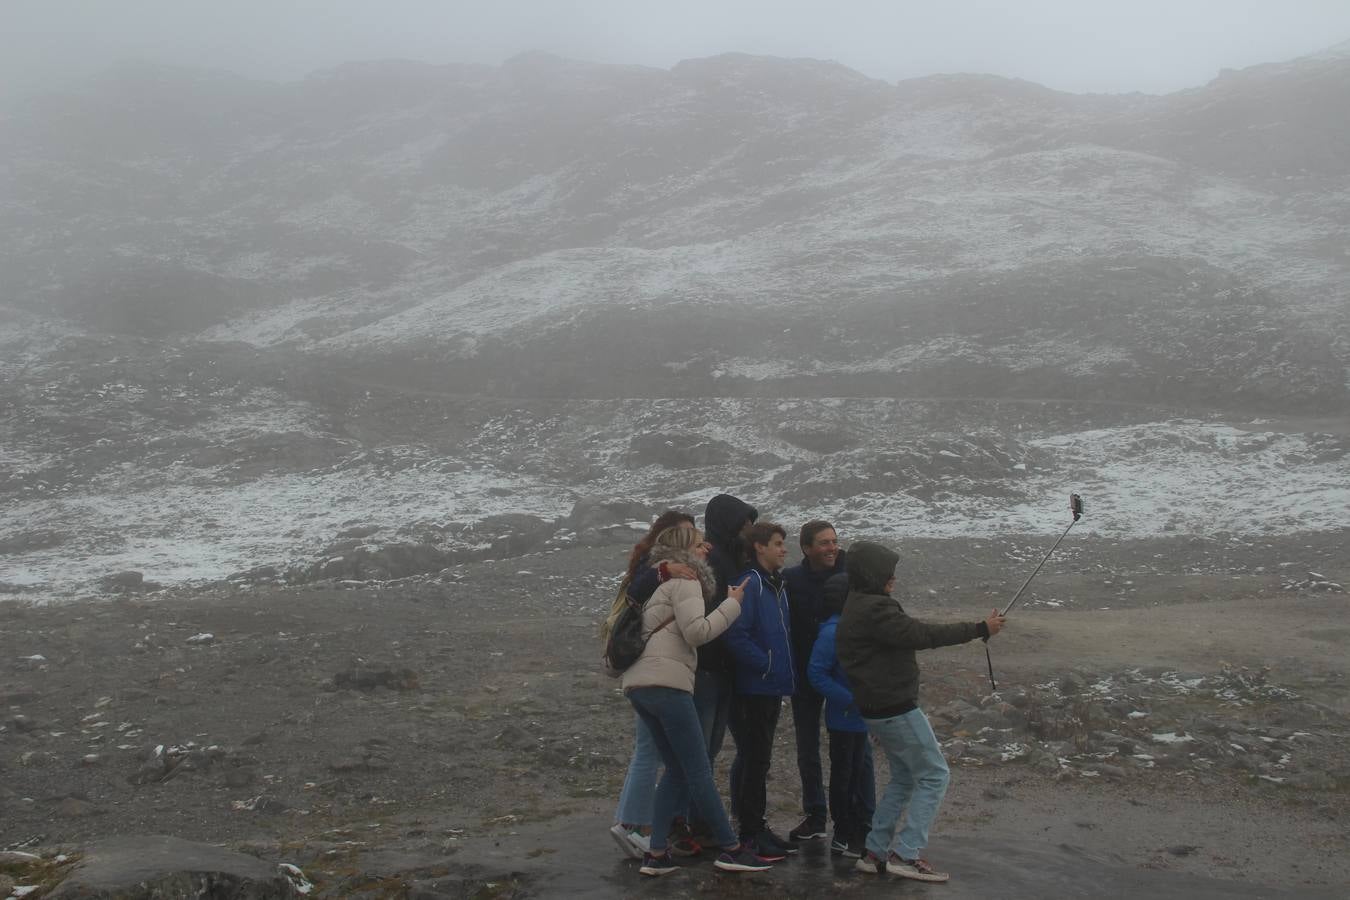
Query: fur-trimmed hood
{"points": [[706, 578]]}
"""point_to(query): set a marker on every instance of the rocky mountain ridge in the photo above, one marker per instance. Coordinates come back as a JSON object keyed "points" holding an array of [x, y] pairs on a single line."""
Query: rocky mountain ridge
{"points": [[239, 319], [714, 217]]}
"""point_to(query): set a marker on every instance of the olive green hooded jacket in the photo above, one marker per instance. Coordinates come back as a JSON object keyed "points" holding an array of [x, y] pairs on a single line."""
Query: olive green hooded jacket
{"points": [[876, 639]]}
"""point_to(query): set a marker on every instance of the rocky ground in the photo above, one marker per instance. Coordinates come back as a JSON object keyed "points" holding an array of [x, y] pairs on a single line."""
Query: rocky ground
{"points": [[1171, 717]]}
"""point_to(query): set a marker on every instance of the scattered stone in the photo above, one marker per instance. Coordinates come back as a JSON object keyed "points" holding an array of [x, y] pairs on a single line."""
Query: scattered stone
{"points": [[1313, 781], [76, 808], [955, 712], [6, 886], [1071, 684], [1315, 582], [1043, 761], [239, 778], [347, 764], [256, 574], [163, 763], [506, 887], [386, 563], [22, 724], [29, 541], [269, 806], [364, 677], [515, 736], [123, 581], [358, 531], [296, 877]]}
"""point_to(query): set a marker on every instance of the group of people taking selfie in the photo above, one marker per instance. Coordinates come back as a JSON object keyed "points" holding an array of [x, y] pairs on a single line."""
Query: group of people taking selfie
{"points": [[730, 631]]}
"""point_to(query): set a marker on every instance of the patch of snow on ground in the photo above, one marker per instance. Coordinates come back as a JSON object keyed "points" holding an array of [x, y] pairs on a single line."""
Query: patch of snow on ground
{"points": [[1183, 477], [179, 533]]}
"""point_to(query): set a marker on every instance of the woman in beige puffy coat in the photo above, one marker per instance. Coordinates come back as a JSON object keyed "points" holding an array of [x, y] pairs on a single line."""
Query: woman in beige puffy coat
{"points": [[660, 686]]}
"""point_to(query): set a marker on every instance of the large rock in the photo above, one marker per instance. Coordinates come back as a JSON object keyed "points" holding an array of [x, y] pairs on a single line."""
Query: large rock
{"points": [[385, 563], [514, 534], [129, 580], [29, 541], [590, 513], [675, 450], [131, 868], [366, 677]]}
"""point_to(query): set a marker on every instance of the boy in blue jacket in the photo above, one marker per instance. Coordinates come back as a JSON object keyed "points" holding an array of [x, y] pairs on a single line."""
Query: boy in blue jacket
{"points": [[852, 780], [761, 644]]}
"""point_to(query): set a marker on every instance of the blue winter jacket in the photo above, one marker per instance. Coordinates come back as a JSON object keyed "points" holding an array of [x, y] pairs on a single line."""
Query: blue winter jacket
{"points": [[827, 677], [760, 640]]}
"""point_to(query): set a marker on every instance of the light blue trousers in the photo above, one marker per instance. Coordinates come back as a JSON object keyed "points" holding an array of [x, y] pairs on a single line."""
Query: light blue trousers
{"points": [[919, 777], [639, 787]]}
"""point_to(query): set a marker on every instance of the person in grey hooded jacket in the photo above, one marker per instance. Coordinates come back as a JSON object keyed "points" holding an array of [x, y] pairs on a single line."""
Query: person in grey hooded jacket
{"points": [[876, 641]]}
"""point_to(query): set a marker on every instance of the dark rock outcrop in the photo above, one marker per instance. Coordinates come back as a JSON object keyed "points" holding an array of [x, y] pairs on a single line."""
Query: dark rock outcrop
{"points": [[145, 867]]}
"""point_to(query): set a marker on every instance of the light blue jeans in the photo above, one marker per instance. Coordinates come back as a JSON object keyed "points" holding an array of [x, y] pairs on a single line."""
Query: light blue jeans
{"points": [[919, 777], [639, 786]]}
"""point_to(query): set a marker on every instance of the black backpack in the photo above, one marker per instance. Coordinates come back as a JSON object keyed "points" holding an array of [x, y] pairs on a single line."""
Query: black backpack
{"points": [[626, 641]]}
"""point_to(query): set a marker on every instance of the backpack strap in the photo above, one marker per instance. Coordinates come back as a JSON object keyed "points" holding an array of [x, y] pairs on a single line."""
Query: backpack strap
{"points": [[659, 627]]}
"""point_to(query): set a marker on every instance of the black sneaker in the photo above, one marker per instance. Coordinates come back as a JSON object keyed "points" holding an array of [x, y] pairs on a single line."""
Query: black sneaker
{"points": [[657, 866], [766, 850], [841, 845], [870, 863], [811, 827], [786, 845], [742, 859]]}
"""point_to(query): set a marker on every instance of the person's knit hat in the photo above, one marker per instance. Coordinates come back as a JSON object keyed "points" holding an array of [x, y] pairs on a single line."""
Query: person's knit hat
{"points": [[870, 566]]}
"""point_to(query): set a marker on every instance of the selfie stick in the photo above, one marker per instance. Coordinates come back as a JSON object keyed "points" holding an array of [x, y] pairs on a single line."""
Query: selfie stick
{"points": [[1076, 507]]}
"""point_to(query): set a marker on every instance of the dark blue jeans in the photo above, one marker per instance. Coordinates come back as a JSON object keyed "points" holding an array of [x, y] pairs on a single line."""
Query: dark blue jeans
{"points": [[806, 707], [754, 717], [712, 700], [670, 716], [853, 788]]}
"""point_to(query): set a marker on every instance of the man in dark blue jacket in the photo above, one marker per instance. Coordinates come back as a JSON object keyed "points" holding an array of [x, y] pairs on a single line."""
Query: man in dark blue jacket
{"points": [[821, 558]]}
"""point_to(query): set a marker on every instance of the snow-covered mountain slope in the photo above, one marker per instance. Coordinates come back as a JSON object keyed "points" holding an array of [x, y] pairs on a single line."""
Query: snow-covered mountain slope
{"points": [[388, 209]]}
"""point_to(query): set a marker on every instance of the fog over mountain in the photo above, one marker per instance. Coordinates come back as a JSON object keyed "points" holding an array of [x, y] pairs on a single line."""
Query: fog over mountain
{"points": [[238, 279], [330, 410]]}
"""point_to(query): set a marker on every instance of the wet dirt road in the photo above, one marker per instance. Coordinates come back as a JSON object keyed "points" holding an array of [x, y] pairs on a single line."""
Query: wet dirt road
{"points": [[983, 867]]}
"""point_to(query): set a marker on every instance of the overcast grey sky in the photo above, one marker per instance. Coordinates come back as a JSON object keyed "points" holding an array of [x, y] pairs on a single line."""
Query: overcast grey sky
{"points": [[1073, 45]]}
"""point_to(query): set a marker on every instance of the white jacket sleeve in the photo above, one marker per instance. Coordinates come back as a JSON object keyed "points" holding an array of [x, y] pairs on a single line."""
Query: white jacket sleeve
{"points": [[698, 629]]}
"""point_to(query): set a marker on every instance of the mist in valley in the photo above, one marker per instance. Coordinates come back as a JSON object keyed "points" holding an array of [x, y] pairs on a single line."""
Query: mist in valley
{"points": [[415, 317]]}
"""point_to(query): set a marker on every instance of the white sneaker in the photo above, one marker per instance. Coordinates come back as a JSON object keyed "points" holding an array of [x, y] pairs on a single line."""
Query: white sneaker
{"points": [[634, 844], [917, 869]]}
